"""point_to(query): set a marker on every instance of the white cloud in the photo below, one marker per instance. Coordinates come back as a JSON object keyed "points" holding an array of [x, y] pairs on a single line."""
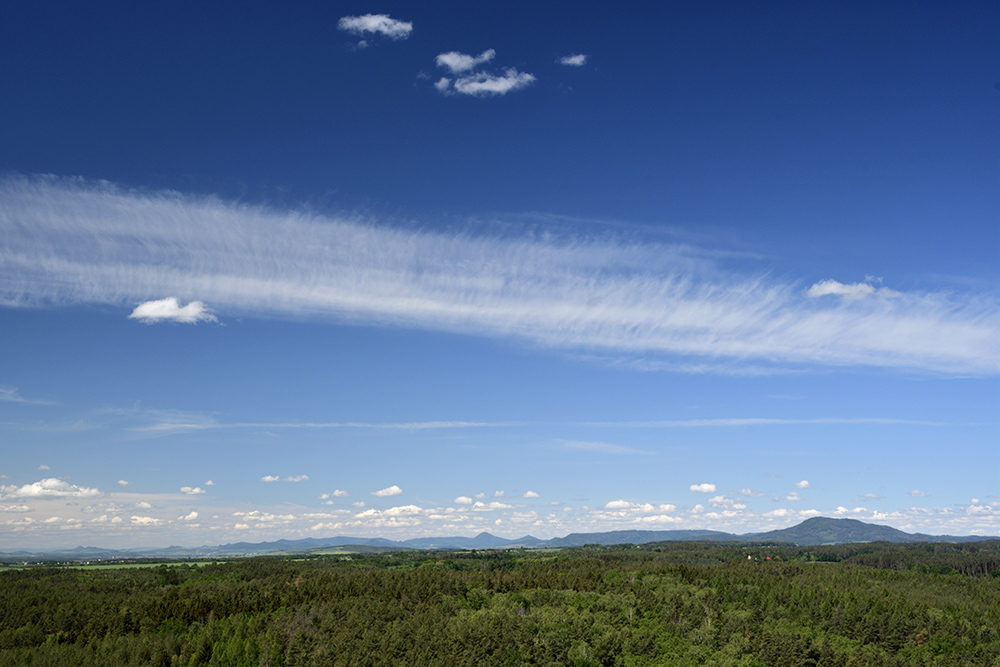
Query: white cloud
{"points": [[852, 292], [379, 24], [170, 309], [192, 490], [703, 488], [270, 478], [601, 447], [48, 488], [618, 505], [146, 521], [484, 84], [577, 60], [76, 242], [463, 500], [388, 491], [804, 484], [15, 508], [917, 493], [459, 62], [531, 494]]}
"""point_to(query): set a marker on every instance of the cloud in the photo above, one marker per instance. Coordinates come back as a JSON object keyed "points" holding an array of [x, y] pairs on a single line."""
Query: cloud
{"points": [[577, 60], [804, 484], [146, 521], [484, 84], [388, 491], [48, 488], [192, 490], [376, 24], [601, 447], [852, 292], [15, 508], [170, 309], [270, 478], [70, 242], [703, 488], [531, 494], [459, 62]]}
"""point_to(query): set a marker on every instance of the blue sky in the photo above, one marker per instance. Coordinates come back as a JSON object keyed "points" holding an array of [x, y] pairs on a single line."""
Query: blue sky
{"points": [[340, 268]]}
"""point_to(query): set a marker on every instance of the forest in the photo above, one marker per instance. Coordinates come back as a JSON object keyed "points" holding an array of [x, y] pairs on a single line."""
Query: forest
{"points": [[665, 604]]}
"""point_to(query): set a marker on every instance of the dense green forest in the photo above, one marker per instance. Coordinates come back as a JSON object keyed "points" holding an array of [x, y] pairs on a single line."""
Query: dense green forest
{"points": [[655, 605]]}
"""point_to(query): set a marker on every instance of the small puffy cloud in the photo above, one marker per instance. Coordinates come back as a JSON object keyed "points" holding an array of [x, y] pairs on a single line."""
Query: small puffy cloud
{"points": [[170, 309], [531, 494], [48, 488], [852, 292], [388, 491], [43, 467], [146, 521], [618, 505], [459, 62], [123, 482], [464, 500], [483, 84], [577, 60], [270, 478], [917, 493], [376, 24], [188, 517], [480, 506], [804, 484], [703, 488], [192, 490], [14, 508]]}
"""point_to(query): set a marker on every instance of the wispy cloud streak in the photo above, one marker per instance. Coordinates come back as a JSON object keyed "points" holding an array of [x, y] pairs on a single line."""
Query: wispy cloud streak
{"points": [[66, 241]]}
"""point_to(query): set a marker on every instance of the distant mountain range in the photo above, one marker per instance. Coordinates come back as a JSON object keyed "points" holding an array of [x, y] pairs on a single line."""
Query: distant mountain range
{"points": [[811, 532]]}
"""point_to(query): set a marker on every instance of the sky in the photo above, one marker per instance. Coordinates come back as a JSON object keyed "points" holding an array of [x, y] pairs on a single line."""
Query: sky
{"points": [[291, 270]]}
